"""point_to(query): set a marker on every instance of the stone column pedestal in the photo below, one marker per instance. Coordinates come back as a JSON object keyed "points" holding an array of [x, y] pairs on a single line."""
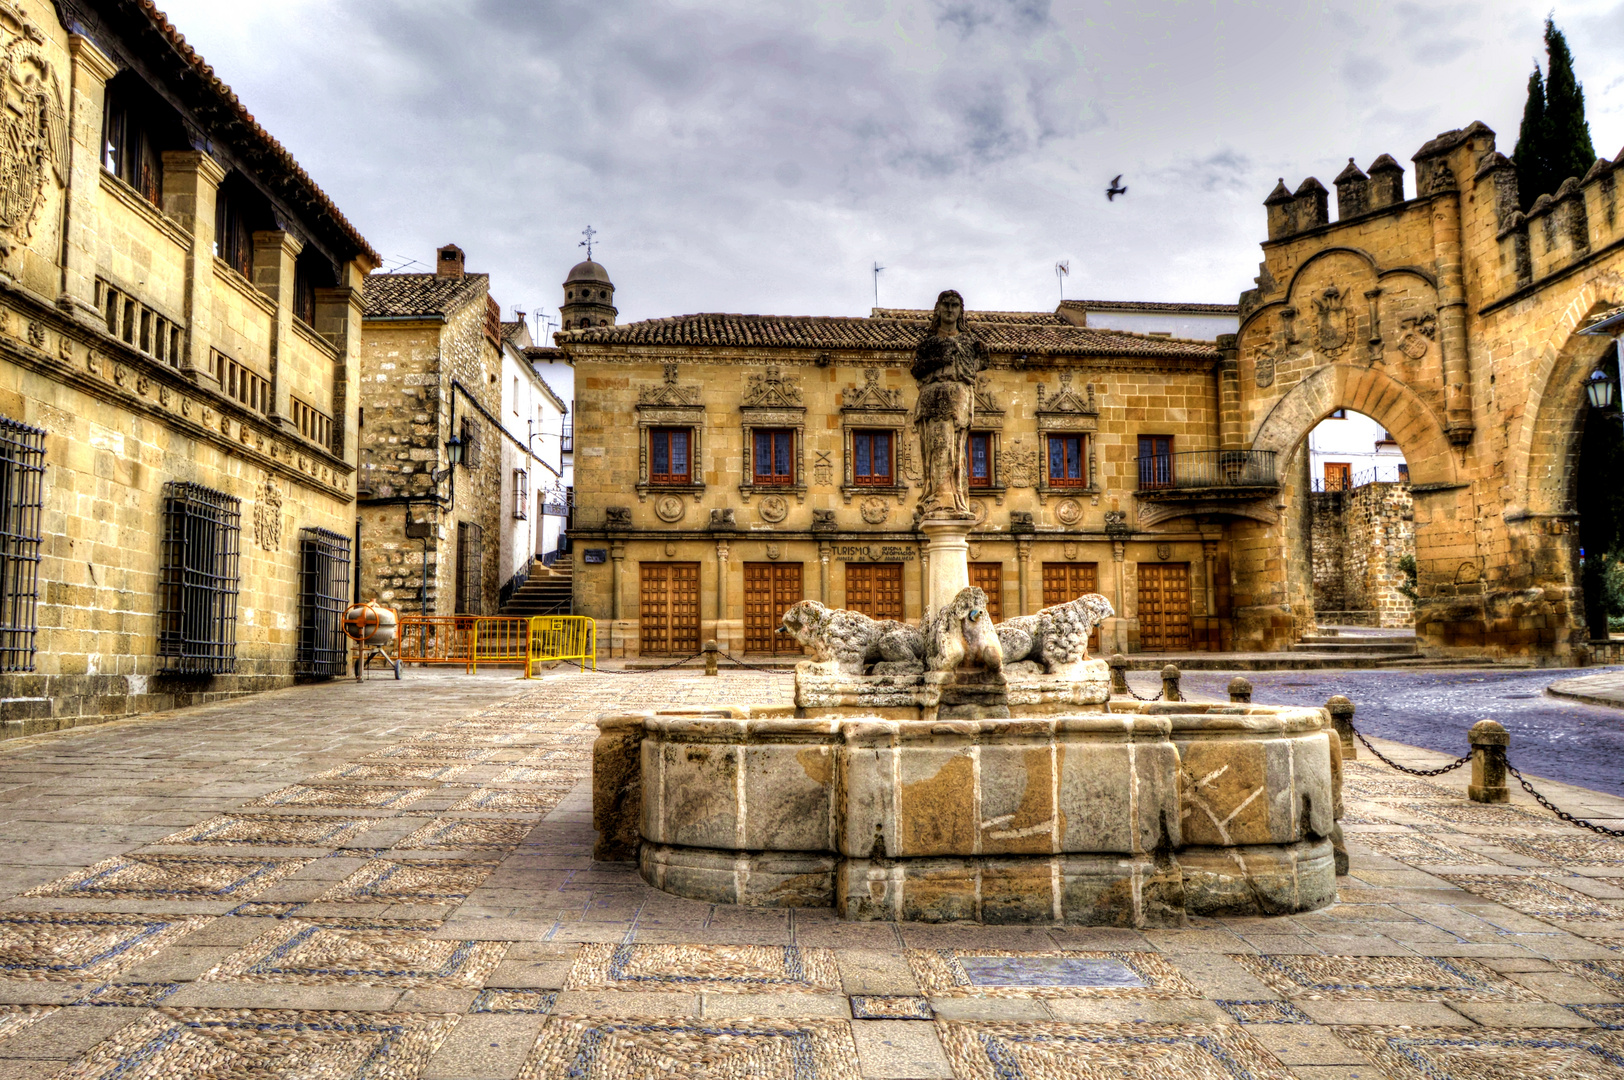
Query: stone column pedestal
{"points": [[947, 546], [1489, 741]]}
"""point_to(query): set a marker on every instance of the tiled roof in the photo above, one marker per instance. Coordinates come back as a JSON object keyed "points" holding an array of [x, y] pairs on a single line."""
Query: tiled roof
{"points": [[923, 315], [511, 328], [1153, 305], [420, 294], [543, 354], [1003, 332], [296, 186]]}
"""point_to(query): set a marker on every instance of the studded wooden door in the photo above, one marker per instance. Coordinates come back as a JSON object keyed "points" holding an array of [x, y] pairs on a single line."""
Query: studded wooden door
{"points": [[770, 589], [875, 589], [1164, 607], [668, 609], [989, 578], [1066, 581]]}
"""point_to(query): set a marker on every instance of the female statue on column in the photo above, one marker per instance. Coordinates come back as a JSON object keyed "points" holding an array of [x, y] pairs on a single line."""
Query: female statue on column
{"points": [[945, 366]]}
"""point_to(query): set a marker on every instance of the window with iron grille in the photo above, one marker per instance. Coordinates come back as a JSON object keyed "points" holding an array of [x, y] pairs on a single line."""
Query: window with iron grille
{"points": [[470, 568], [470, 443], [22, 472], [324, 590], [521, 494], [197, 604]]}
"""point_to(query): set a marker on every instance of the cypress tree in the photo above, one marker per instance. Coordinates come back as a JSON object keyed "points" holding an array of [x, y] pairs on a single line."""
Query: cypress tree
{"points": [[1570, 151], [1529, 156], [1553, 142]]}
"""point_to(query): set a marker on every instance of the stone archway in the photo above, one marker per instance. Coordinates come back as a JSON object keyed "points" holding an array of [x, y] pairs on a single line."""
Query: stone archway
{"points": [[1449, 611]]}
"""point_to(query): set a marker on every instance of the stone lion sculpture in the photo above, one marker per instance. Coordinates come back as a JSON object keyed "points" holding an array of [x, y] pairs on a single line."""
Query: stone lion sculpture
{"points": [[1054, 639], [962, 635], [847, 642]]}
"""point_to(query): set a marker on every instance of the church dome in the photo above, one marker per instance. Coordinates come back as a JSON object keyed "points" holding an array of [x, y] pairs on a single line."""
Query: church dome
{"points": [[588, 271]]}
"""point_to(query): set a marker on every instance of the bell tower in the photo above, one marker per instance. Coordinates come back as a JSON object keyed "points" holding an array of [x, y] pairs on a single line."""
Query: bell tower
{"points": [[589, 295]]}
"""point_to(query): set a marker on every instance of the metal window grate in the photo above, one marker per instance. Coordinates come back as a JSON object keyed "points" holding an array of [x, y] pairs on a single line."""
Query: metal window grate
{"points": [[521, 495], [197, 614], [22, 474], [324, 589], [470, 568]]}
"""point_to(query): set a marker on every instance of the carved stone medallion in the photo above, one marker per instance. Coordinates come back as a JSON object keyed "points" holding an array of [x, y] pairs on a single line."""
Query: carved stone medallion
{"points": [[774, 508], [1069, 512], [875, 510], [268, 516], [978, 507], [1263, 369], [669, 508]]}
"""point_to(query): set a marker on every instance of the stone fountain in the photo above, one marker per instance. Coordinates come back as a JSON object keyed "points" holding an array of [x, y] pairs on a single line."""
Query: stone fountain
{"points": [[962, 770]]}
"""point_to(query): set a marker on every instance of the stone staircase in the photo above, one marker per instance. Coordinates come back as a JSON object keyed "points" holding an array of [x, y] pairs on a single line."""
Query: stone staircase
{"points": [[1369, 643], [547, 591]]}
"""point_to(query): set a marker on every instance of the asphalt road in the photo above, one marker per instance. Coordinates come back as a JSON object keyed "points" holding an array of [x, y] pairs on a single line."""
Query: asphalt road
{"points": [[1550, 737]]}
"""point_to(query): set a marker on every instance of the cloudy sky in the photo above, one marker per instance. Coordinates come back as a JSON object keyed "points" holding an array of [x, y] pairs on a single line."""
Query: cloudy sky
{"points": [[760, 156]]}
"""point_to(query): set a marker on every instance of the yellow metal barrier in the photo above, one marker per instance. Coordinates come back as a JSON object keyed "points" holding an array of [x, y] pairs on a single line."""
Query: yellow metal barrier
{"points": [[562, 637], [469, 640]]}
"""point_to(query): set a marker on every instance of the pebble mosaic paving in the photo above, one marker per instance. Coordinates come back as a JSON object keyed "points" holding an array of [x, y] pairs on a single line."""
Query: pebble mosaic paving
{"points": [[209, 896]]}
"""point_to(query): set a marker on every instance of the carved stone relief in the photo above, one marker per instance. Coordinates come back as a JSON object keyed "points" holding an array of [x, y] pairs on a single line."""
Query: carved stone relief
{"points": [[669, 508], [1334, 326], [268, 516], [875, 510], [1263, 368], [1069, 512], [771, 391], [1418, 333], [1022, 463], [823, 469], [774, 508], [33, 128]]}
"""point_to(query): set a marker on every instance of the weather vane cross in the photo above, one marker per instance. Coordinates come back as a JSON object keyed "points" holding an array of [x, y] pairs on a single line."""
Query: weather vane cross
{"points": [[589, 232]]}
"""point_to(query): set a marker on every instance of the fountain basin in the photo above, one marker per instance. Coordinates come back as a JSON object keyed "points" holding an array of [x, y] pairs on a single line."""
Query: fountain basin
{"points": [[1126, 814]]}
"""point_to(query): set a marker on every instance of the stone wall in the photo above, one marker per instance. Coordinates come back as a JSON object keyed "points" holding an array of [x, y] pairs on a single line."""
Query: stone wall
{"points": [[1359, 537]]}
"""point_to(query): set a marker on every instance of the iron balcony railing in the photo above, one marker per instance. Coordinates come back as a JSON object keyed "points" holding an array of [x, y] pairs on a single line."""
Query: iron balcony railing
{"points": [[1207, 469]]}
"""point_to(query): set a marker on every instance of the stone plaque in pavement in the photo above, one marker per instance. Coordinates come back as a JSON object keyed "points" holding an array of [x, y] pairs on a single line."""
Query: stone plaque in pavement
{"points": [[1048, 971]]}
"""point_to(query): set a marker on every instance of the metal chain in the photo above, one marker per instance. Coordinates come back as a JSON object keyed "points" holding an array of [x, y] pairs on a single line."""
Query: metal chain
{"points": [[635, 671], [1405, 768], [1139, 697], [759, 667], [1563, 814]]}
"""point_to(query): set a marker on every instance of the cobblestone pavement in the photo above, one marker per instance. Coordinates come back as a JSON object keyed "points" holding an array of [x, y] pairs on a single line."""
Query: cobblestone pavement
{"points": [[394, 881], [1565, 740]]}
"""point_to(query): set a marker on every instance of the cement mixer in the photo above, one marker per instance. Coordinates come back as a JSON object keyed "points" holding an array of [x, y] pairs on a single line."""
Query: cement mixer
{"points": [[373, 627]]}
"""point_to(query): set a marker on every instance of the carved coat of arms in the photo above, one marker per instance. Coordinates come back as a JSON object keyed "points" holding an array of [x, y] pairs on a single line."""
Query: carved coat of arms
{"points": [[268, 516], [1263, 368], [1418, 333], [33, 125], [1335, 321]]}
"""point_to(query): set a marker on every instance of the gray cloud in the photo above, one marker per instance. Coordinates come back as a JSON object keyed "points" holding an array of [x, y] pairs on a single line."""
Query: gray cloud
{"points": [[761, 156]]}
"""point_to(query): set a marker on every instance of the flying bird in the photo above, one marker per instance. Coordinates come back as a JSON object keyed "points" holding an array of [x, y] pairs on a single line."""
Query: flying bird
{"points": [[1115, 189]]}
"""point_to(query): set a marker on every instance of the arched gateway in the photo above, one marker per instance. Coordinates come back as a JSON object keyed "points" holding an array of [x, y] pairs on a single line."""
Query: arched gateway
{"points": [[1454, 320]]}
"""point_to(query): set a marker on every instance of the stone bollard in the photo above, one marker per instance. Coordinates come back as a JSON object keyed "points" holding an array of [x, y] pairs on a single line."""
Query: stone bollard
{"points": [[1341, 710], [617, 786], [1489, 741], [1170, 683], [1119, 673], [712, 657], [1240, 691]]}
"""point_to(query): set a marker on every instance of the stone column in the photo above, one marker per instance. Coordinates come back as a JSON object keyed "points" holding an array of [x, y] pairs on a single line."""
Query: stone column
{"points": [[274, 256], [1120, 601], [825, 553], [617, 561], [949, 551], [1023, 565], [338, 319], [87, 96], [191, 182], [1446, 250], [721, 593]]}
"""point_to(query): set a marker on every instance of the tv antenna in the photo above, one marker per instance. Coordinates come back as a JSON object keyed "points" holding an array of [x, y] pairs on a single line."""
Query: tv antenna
{"points": [[1061, 269], [877, 269], [589, 232]]}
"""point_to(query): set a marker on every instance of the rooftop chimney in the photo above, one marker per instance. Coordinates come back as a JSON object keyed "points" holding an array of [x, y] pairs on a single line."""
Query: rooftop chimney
{"points": [[448, 263]]}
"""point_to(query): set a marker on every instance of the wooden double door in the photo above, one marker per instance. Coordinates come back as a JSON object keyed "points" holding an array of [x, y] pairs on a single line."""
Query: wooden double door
{"points": [[668, 608], [875, 589], [1164, 607], [989, 578], [1064, 582], [770, 589]]}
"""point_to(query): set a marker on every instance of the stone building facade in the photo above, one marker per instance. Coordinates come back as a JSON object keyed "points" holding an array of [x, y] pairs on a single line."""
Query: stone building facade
{"points": [[1360, 538], [179, 327], [728, 466], [1449, 317], [431, 363]]}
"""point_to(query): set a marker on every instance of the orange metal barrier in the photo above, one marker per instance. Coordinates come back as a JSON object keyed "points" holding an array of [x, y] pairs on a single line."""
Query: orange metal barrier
{"points": [[469, 640]]}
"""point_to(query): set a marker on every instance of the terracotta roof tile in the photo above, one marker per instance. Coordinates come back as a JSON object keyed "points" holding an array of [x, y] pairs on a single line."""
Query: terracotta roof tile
{"points": [[255, 133], [1153, 305], [399, 295], [1030, 333]]}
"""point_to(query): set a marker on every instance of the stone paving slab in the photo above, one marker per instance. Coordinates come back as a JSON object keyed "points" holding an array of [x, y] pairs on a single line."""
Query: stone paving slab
{"points": [[395, 880]]}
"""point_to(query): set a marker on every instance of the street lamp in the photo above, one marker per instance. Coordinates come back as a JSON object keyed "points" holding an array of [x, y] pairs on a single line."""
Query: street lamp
{"points": [[453, 450], [1601, 390]]}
